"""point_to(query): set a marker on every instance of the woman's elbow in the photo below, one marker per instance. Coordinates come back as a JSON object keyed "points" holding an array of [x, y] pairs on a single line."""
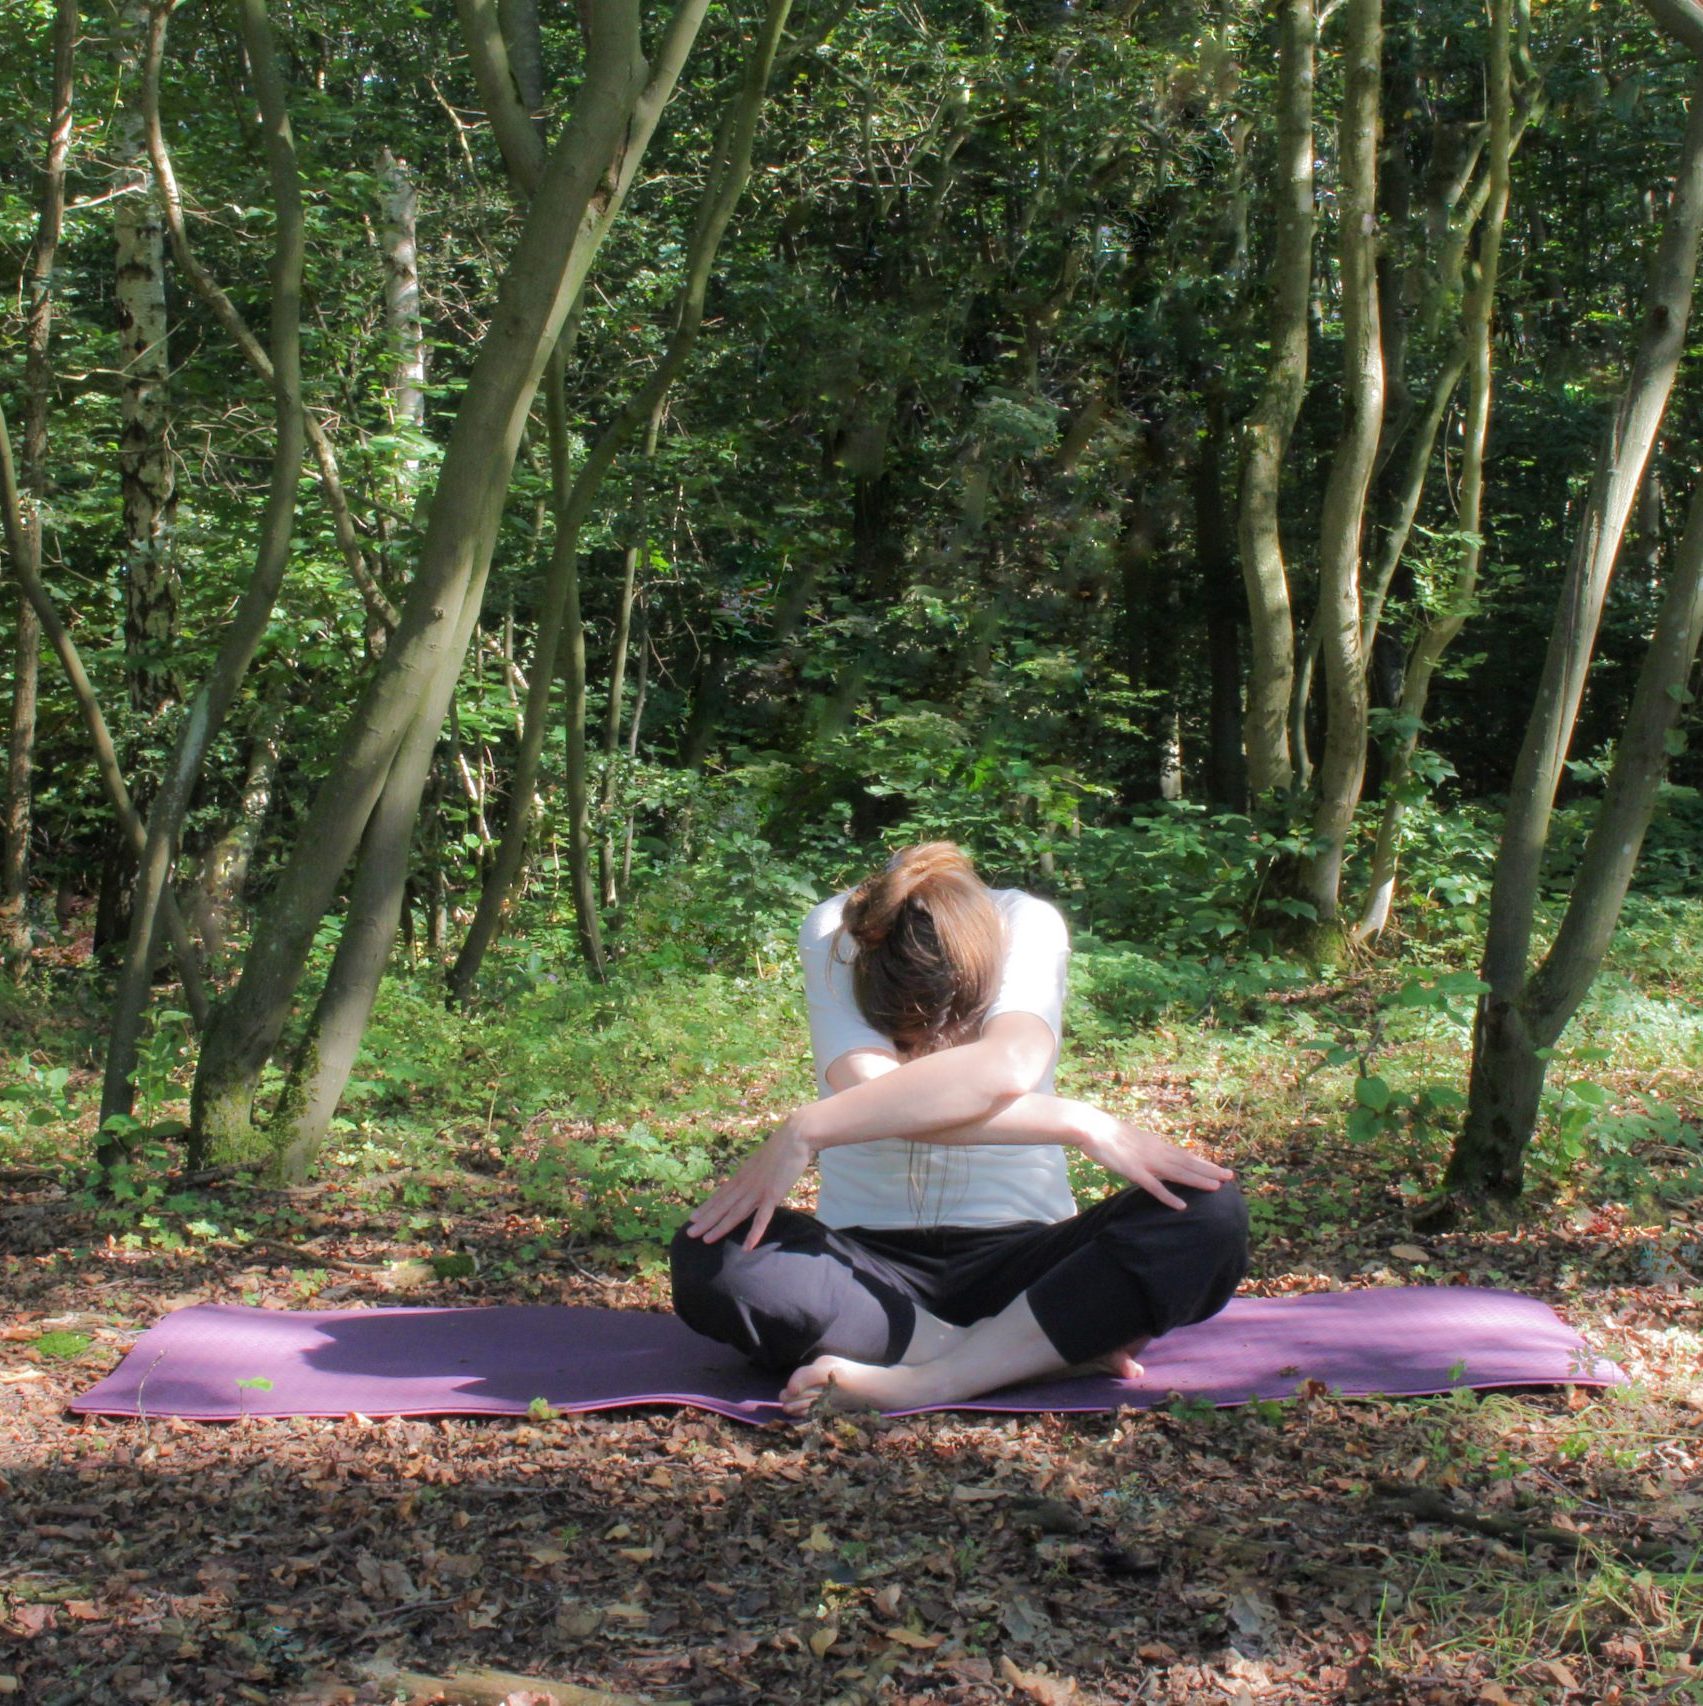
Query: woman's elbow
{"points": [[1018, 1060]]}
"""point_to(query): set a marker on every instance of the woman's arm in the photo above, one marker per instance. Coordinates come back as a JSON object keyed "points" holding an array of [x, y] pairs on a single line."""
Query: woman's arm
{"points": [[933, 1092], [1129, 1151]]}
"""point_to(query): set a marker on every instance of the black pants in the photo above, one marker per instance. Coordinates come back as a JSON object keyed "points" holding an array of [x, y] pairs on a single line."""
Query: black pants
{"points": [[1127, 1268]]}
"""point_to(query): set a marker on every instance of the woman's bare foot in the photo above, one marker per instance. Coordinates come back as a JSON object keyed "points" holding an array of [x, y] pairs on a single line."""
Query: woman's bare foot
{"points": [[849, 1385], [1121, 1363]]}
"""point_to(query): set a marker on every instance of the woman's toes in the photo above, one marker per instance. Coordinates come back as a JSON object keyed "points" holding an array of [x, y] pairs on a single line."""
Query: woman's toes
{"points": [[806, 1384]]}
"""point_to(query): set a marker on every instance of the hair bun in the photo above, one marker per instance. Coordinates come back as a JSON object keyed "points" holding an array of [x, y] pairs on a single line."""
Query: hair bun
{"points": [[913, 874], [930, 943]]}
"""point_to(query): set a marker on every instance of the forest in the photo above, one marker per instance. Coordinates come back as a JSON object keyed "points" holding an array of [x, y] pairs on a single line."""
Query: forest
{"points": [[507, 506]]}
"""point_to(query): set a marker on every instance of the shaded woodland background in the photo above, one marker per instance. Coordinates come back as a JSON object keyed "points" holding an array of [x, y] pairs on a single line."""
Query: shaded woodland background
{"points": [[485, 471], [505, 506]]}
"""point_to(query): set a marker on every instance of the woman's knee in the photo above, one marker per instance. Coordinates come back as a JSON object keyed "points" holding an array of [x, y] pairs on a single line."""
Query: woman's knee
{"points": [[697, 1274], [1223, 1214]]}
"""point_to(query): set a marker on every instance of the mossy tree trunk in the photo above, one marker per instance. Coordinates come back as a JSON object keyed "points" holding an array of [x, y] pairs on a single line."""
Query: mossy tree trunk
{"points": [[1523, 1011], [580, 190]]}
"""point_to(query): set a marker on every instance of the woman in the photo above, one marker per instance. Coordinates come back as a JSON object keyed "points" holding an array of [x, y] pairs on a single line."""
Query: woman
{"points": [[947, 1257]]}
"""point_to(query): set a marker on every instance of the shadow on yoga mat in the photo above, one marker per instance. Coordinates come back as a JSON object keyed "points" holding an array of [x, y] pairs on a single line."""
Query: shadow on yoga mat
{"points": [[218, 1362]]}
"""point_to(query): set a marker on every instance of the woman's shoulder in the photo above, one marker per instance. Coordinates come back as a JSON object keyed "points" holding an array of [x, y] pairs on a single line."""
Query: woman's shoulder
{"points": [[1031, 916], [822, 920]]}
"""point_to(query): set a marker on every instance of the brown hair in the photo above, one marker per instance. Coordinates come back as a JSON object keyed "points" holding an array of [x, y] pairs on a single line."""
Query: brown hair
{"points": [[930, 943]]}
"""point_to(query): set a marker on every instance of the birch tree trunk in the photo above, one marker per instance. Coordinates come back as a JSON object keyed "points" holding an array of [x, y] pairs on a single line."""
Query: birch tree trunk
{"points": [[1267, 430], [1439, 632], [253, 612], [1342, 523], [144, 461], [398, 205], [32, 476], [580, 191]]}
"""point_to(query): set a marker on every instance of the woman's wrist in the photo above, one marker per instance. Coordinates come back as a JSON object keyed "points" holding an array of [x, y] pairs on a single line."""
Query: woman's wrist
{"points": [[1091, 1126], [802, 1126]]}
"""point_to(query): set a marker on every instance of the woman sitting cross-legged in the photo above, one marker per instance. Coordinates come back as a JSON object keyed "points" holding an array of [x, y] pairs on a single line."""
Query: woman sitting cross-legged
{"points": [[947, 1257]]}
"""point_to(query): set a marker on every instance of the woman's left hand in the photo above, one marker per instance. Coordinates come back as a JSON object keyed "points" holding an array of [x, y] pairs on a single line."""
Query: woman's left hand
{"points": [[760, 1186]]}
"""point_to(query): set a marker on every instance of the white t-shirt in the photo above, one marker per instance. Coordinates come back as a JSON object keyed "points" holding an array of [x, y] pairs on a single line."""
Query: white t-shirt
{"points": [[894, 1182]]}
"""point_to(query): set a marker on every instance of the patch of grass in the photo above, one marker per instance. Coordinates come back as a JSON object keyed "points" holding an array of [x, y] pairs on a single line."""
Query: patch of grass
{"points": [[63, 1346]]}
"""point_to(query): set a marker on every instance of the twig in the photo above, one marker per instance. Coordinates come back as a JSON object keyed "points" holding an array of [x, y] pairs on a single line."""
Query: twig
{"points": [[1426, 1504], [307, 1258]]}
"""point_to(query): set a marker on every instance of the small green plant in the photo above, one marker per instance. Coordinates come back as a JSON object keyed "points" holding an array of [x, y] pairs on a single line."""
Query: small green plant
{"points": [[632, 1189], [1415, 1114], [542, 1410], [37, 1097], [63, 1346]]}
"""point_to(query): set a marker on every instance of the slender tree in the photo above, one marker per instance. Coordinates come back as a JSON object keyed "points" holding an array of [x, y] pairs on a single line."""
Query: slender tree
{"points": [[1266, 431], [1523, 1011], [1447, 620], [730, 168], [1343, 518], [38, 385], [248, 623], [579, 193]]}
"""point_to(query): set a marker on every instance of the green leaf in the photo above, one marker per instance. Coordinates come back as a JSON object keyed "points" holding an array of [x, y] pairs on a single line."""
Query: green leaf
{"points": [[1363, 1125], [1372, 1092]]}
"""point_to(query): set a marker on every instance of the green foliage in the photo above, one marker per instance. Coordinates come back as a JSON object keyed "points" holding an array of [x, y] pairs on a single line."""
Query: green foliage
{"points": [[62, 1346], [1407, 1118], [634, 1188], [37, 1097]]}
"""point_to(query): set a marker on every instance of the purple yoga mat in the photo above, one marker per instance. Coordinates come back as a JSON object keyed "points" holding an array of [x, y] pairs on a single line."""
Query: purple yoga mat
{"points": [[216, 1362]]}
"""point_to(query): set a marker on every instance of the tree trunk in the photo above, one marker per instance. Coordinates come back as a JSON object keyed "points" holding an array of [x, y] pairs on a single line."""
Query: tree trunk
{"points": [[1342, 522], [1572, 640], [730, 169], [32, 473], [1440, 631], [327, 1053], [1512, 1037], [610, 774], [1226, 773], [588, 926], [225, 865], [398, 208], [111, 772], [1520, 1014], [579, 193], [254, 609], [144, 460], [1267, 430]]}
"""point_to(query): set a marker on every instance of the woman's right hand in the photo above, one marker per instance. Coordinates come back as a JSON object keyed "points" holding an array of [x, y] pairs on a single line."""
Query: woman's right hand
{"points": [[1149, 1160]]}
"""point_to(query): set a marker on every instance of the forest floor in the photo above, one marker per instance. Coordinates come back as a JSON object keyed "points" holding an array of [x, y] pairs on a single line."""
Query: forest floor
{"points": [[1317, 1550]]}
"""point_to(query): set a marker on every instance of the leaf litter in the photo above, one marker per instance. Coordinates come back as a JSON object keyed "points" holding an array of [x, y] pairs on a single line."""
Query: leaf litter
{"points": [[1269, 1554]]}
